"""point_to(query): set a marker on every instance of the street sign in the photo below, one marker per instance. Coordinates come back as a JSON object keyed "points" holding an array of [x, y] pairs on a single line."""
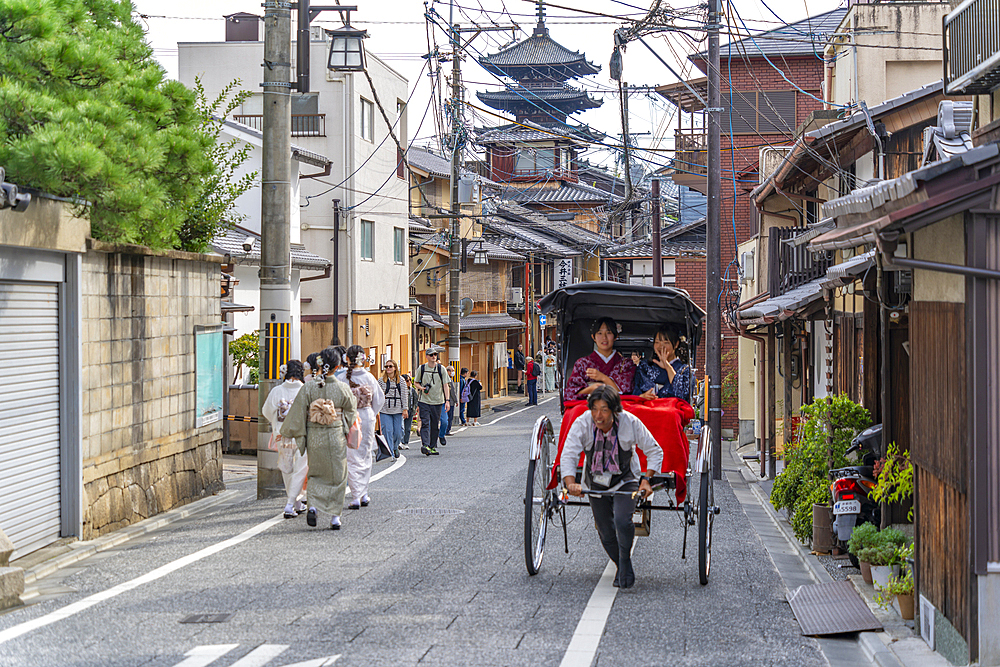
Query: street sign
{"points": [[541, 320], [564, 272]]}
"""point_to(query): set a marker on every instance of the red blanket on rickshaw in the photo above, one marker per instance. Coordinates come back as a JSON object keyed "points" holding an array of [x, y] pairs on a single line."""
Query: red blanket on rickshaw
{"points": [[664, 417]]}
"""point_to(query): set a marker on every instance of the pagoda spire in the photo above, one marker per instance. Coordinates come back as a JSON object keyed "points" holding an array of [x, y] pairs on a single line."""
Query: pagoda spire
{"points": [[540, 29]]}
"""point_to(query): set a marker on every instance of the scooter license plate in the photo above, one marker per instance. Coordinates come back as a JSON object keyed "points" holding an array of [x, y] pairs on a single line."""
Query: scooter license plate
{"points": [[847, 507]]}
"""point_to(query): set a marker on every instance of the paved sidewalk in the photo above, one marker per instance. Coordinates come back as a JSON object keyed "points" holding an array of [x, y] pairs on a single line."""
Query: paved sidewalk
{"points": [[898, 645]]}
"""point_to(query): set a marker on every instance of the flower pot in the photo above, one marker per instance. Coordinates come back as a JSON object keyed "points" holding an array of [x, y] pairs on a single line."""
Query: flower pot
{"points": [[881, 575], [822, 541], [904, 605], [866, 572]]}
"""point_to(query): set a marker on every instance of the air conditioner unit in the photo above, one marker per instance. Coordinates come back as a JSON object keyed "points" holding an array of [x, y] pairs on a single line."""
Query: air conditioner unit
{"points": [[516, 296]]}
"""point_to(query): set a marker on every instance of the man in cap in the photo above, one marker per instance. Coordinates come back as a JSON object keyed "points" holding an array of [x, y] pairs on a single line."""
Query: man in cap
{"points": [[434, 388]]}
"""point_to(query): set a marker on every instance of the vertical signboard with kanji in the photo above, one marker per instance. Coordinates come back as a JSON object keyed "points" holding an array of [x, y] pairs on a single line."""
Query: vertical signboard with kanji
{"points": [[564, 272]]}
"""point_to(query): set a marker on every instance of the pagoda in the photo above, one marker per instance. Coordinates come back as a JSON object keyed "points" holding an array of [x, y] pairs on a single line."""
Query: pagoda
{"points": [[541, 67]]}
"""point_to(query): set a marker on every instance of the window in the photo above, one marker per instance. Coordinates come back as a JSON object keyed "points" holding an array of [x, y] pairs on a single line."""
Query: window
{"points": [[398, 245], [755, 112], [535, 159], [367, 120], [367, 239]]}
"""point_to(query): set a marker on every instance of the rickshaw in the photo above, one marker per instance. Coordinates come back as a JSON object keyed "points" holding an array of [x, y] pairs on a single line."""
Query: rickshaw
{"points": [[639, 310]]}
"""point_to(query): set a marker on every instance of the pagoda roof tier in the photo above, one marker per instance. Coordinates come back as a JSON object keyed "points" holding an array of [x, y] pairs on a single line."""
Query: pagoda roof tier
{"points": [[539, 101], [539, 57]]}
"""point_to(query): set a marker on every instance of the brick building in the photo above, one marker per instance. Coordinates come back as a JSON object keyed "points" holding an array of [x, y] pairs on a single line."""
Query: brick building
{"points": [[770, 83]]}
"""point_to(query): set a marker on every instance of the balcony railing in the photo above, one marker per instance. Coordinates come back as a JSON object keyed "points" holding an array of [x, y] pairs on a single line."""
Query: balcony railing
{"points": [[691, 151], [972, 48], [303, 125], [790, 266]]}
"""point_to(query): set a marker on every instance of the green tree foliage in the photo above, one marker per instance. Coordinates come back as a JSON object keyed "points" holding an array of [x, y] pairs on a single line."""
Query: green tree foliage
{"points": [[804, 480], [85, 112], [245, 351]]}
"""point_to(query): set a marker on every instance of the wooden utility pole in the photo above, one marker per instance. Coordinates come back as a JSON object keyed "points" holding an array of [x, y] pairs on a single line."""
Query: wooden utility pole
{"points": [[657, 252]]}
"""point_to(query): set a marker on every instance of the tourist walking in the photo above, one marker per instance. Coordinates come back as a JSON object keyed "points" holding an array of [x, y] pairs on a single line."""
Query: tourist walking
{"points": [[475, 404], [370, 401], [463, 382], [531, 371], [519, 366], [397, 405], [293, 465], [434, 390], [550, 368], [319, 420], [448, 414], [408, 420]]}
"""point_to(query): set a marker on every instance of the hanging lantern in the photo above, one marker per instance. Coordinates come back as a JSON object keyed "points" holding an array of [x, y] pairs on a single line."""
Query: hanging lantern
{"points": [[347, 51], [479, 255]]}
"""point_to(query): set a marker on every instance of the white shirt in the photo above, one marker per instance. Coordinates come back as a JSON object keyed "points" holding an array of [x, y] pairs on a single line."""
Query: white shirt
{"points": [[607, 358], [631, 433]]}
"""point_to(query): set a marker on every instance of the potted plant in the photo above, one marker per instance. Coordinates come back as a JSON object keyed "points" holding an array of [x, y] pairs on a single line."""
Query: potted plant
{"points": [[863, 539], [898, 589], [821, 442], [884, 557]]}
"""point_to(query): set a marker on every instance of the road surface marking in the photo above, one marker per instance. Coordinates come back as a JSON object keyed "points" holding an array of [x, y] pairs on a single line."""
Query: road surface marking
{"points": [[515, 412], [80, 605], [587, 637], [201, 656], [261, 655]]}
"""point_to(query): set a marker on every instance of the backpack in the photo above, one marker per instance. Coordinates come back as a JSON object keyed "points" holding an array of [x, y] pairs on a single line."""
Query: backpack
{"points": [[423, 367], [467, 392]]}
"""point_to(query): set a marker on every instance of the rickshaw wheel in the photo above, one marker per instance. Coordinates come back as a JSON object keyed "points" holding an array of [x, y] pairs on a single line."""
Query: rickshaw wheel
{"points": [[537, 500], [706, 517]]}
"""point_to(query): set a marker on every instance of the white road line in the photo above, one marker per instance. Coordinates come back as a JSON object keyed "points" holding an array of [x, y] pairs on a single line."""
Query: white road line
{"points": [[200, 656], [16, 631], [511, 414], [318, 662], [261, 655], [587, 637]]}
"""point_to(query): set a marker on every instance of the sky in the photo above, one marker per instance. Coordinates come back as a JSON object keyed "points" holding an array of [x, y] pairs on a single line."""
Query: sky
{"points": [[398, 34]]}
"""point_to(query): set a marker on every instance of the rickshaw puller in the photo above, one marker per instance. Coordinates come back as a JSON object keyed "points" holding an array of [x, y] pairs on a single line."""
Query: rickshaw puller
{"points": [[608, 437]]}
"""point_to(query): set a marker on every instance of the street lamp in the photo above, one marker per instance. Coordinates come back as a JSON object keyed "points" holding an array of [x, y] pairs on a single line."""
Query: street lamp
{"points": [[347, 51], [479, 254]]}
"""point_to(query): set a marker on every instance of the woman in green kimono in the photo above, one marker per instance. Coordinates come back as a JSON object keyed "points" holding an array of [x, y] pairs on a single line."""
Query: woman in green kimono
{"points": [[319, 420]]}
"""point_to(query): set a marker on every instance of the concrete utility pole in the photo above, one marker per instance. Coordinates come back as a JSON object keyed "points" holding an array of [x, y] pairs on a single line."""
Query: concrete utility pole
{"points": [[455, 245], [713, 287], [657, 250], [275, 244]]}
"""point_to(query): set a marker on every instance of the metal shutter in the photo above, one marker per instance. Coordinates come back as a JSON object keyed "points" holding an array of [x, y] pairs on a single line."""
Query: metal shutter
{"points": [[777, 112], [29, 415]]}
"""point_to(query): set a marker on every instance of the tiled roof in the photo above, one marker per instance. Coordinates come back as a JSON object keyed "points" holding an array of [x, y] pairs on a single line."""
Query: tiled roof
{"points": [[684, 228], [435, 165], [420, 225], [805, 37], [566, 192], [539, 96], [644, 248], [493, 251], [539, 50], [230, 243], [526, 131], [489, 321], [501, 231], [560, 230]]}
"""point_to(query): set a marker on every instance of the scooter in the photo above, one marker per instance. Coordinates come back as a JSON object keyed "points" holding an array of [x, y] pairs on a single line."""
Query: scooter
{"points": [[851, 487]]}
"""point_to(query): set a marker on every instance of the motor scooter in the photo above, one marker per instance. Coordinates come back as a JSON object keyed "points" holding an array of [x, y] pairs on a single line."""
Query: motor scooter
{"points": [[851, 487]]}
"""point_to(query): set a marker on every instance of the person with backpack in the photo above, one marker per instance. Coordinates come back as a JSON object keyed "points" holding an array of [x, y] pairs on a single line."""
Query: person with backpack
{"points": [[519, 362], [408, 419], [463, 393], [435, 391], [448, 413], [396, 407], [531, 373]]}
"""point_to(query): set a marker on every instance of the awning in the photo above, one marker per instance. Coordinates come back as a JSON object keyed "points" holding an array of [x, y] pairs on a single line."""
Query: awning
{"points": [[782, 307], [230, 307], [430, 322], [492, 321], [845, 272]]}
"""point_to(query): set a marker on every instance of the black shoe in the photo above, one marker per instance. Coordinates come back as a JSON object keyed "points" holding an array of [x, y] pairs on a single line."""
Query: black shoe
{"points": [[425, 451], [615, 582], [627, 578], [311, 517], [442, 441], [433, 452]]}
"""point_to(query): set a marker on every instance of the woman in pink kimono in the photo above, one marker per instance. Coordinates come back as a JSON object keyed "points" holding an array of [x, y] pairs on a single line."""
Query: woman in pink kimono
{"points": [[603, 366]]}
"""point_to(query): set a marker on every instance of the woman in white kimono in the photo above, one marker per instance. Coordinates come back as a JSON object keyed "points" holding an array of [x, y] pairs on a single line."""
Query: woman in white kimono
{"points": [[319, 420], [550, 370], [370, 400], [276, 407]]}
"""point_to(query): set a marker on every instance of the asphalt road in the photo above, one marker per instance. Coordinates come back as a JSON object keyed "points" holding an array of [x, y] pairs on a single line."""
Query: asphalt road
{"points": [[432, 573]]}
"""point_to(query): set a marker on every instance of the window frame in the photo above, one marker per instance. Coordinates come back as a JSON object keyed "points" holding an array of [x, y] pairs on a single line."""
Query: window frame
{"points": [[367, 120], [764, 120], [398, 245], [367, 241]]}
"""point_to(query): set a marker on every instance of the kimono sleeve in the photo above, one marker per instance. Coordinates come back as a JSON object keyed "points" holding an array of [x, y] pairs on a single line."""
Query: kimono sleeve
{"points": [[577, 379], [297, 418], [378, 394], [348, 404], [270, 408]]}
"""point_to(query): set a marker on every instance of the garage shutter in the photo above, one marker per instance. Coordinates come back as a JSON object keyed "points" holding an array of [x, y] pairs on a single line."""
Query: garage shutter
{"points": [[29, 415]]}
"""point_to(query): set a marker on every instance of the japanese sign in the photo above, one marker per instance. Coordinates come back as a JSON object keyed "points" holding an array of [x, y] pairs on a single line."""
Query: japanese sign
{"points": [[564, 272]]}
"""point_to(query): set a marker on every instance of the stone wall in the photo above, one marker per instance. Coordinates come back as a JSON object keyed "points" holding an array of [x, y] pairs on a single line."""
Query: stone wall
{"points": [[142, 453]]}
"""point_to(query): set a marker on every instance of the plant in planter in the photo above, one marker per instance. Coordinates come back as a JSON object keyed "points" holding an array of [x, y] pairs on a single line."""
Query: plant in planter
{"points": [[894, 478], [830, 424], [899, 589]]}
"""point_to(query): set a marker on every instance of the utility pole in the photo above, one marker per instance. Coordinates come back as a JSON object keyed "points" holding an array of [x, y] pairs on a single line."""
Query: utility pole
{"points": [[713, 287], [276, 190], [454, 313], [657, 250]]}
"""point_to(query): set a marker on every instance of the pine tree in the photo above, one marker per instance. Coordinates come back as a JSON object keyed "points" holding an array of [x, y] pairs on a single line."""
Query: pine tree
{"points": [[85, 112]]}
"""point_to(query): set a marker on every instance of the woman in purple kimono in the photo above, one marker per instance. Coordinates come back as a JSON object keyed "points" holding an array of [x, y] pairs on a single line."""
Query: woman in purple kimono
{"points": [[603, 366]]}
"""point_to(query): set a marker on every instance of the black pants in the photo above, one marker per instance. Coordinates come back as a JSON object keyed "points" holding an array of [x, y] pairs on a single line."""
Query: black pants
{"points": [[430, 423], [613, 517]]}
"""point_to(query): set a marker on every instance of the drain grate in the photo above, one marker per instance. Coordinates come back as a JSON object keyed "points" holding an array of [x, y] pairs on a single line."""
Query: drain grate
{"points": [[433, 511], [206, 618]]}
